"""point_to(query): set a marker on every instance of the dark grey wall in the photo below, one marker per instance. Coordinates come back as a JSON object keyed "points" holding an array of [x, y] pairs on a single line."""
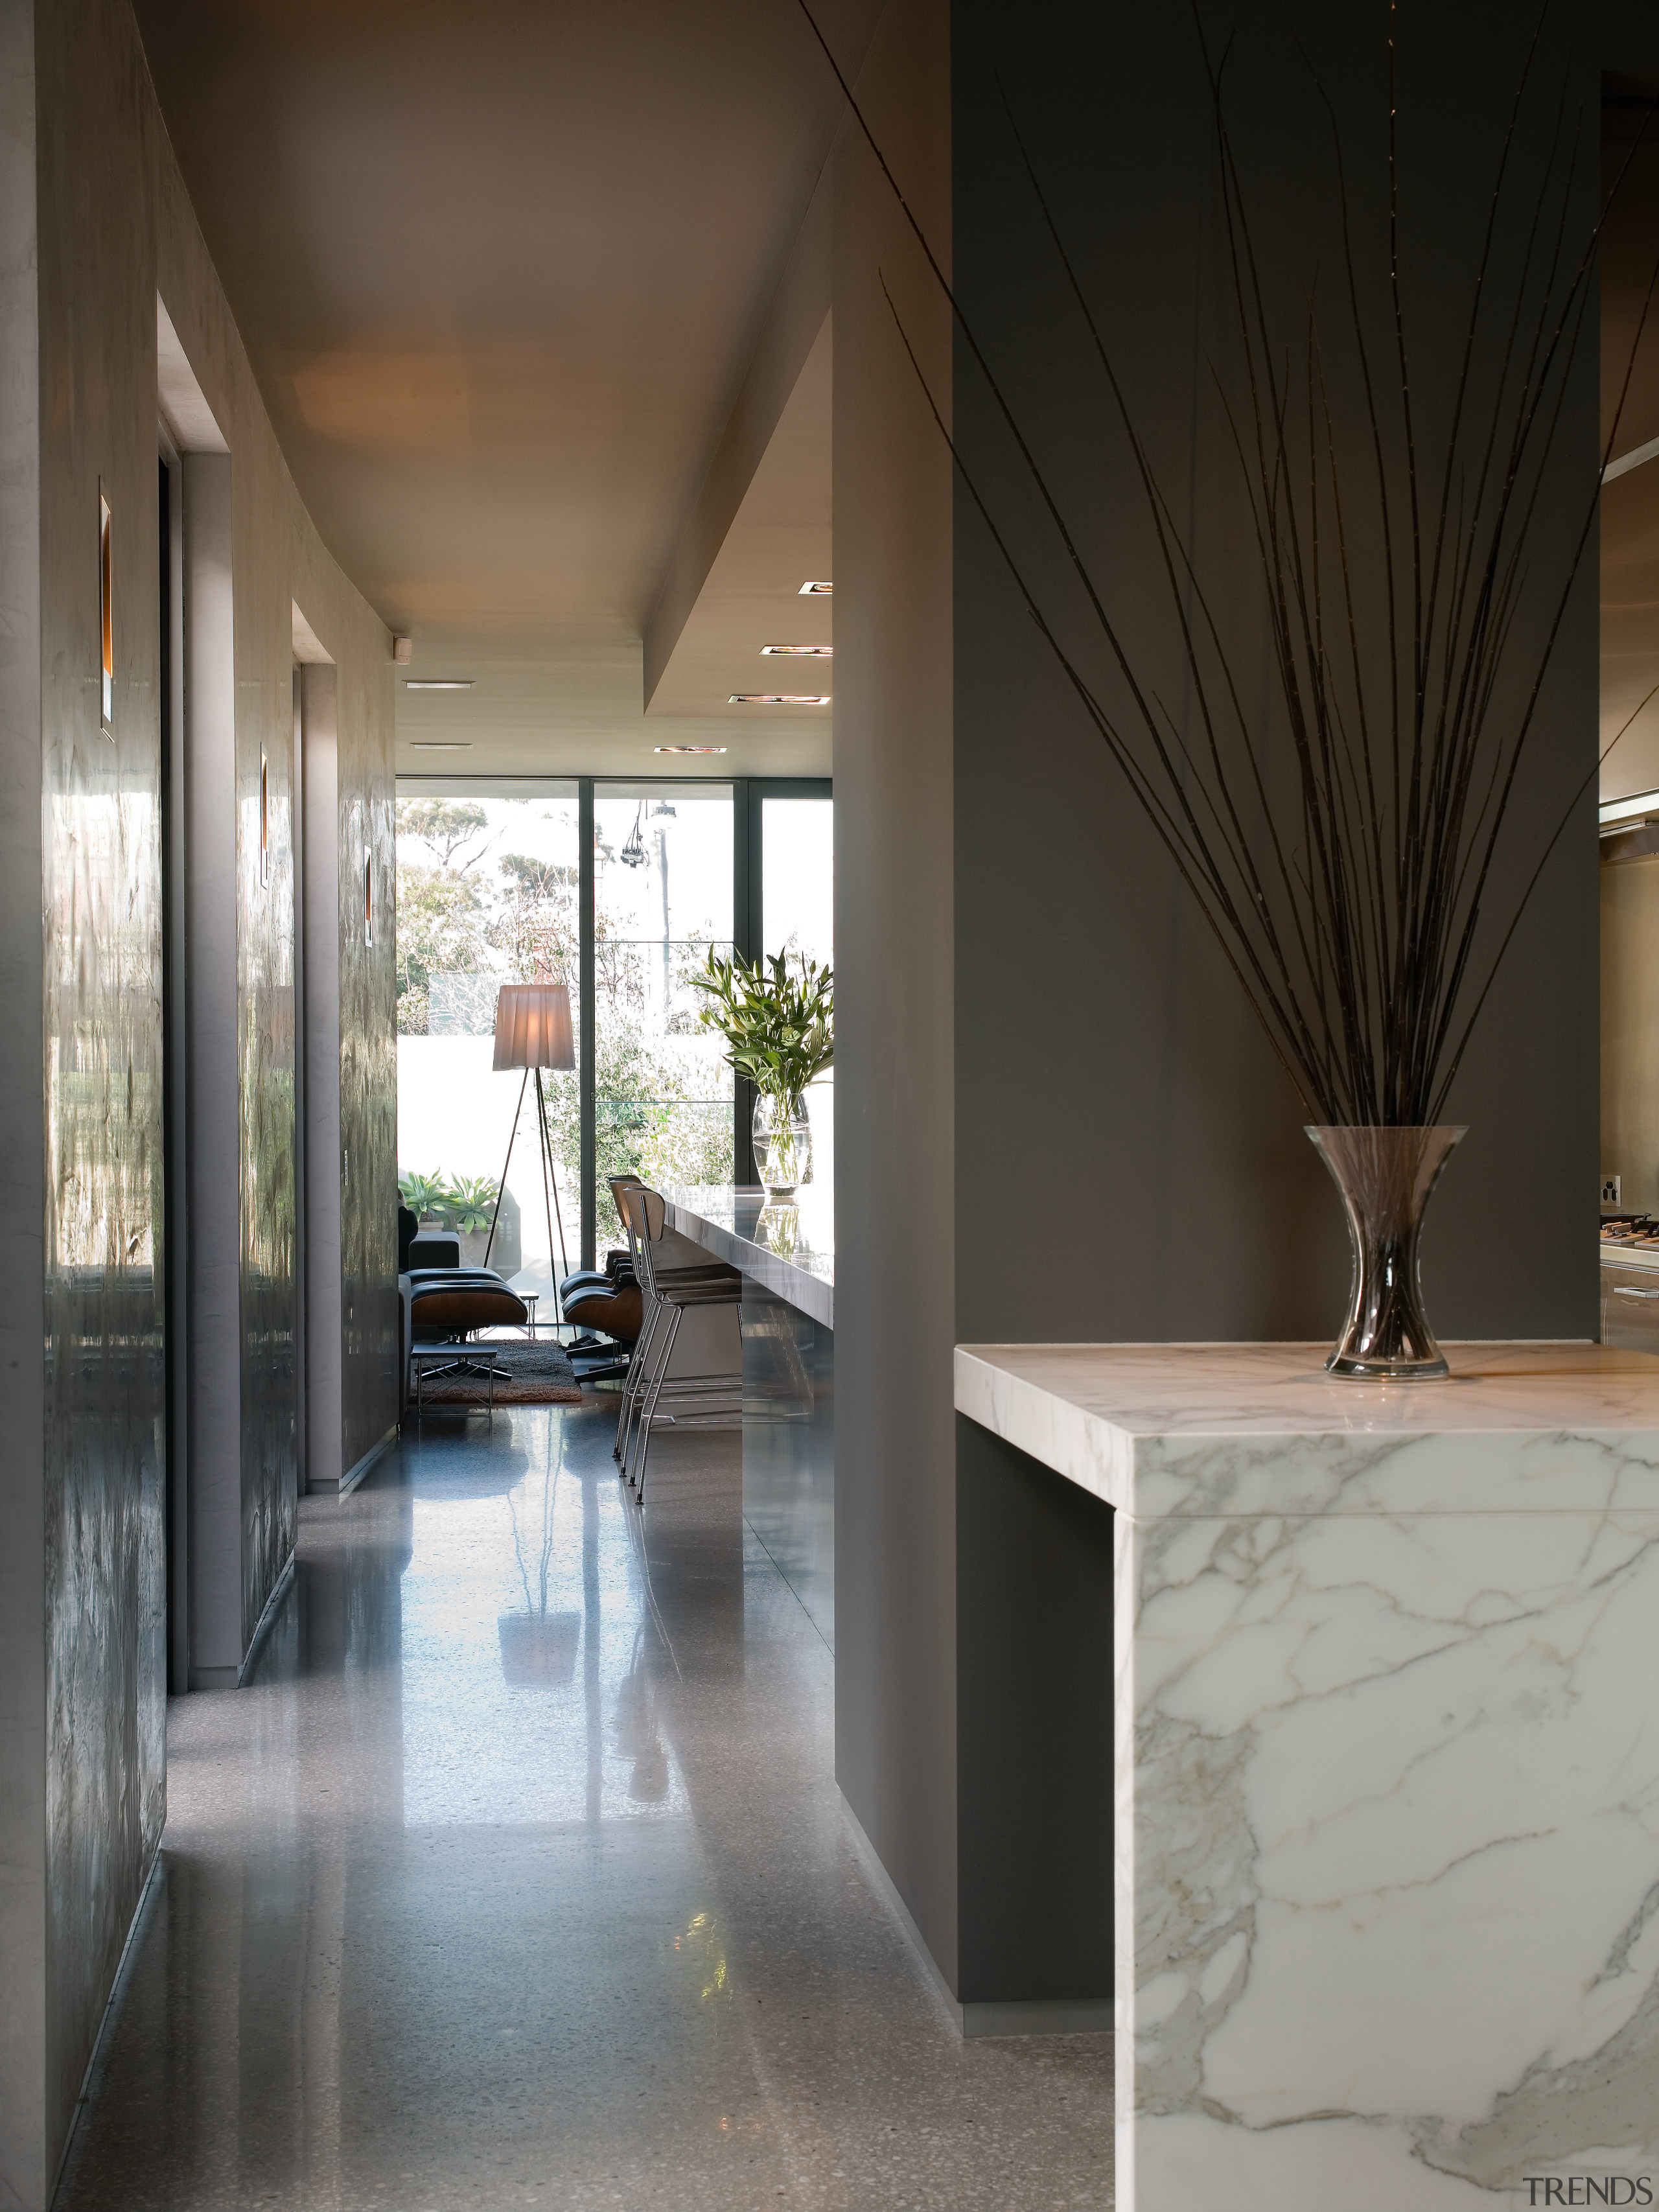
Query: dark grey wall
{"points": [[895, 1472], [1034, 1741], [1145, 1075], [1059, 1119]]}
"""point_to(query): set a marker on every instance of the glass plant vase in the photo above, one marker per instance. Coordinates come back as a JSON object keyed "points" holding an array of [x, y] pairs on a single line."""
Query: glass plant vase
{"points": [[1385, 1176], [783, 1144], [778, 1228]]}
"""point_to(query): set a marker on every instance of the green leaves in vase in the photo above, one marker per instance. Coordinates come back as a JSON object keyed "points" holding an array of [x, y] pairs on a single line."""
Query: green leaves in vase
{"points": [[776, 1014]]}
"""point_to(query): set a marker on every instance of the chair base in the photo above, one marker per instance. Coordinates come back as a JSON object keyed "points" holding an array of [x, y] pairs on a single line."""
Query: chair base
{"points": [[463, 1364]]}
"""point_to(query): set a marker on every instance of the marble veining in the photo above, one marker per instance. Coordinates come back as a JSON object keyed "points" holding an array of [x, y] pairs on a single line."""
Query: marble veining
{"points": [[1259, 1429], [1387, 1858], [791, 1251]]}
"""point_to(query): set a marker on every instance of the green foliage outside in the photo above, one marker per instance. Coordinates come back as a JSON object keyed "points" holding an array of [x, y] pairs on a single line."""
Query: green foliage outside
{"points": [[465, 1204], [422, 1193], [471, 909]]}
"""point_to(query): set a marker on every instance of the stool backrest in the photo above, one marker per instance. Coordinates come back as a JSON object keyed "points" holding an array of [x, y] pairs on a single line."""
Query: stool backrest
{"points": [[618, 1185], [622, 1189], [647, 1218]]}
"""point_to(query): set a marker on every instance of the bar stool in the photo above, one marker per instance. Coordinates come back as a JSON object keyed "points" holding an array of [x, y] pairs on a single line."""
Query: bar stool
{"points": [[620, 1185], [650, 1393], [640, 1365]]}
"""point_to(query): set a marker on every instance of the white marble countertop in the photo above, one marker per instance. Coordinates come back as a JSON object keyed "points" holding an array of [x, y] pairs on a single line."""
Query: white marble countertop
{"points": [[791, 1251], [1387, 1760], [1261, 1429]]}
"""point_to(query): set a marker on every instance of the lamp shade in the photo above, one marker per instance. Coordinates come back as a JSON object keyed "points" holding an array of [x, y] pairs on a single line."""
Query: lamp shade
{"points": [[533, 1026]]}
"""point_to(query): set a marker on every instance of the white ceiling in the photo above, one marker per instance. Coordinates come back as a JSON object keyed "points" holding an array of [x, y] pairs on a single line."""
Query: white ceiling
{"points": [[779, 539], [500, 270]]}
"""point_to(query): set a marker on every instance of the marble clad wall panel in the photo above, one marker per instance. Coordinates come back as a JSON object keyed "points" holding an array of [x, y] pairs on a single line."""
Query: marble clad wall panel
{"points": [[1393, 1854], [115, 228], [22, 1495], [265, 927], [369, 1346], [101, 1043]]}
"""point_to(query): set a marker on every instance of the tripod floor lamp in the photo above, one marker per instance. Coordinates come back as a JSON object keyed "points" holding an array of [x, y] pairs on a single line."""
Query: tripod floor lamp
{"points": [[532, 1032]]}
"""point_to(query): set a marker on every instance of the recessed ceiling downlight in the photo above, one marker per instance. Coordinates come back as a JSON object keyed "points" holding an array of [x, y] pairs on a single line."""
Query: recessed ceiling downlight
{"points": [[438, 683], [800, 652], [780, 699], [819, 590], [688, 749]]}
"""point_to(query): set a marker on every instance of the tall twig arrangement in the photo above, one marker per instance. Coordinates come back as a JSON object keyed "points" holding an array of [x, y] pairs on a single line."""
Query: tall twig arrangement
{"points": [[1340, 834]]}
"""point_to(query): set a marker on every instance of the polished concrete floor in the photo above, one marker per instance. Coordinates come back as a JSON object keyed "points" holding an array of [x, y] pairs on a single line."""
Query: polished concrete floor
{"points": [[519, 1877]]}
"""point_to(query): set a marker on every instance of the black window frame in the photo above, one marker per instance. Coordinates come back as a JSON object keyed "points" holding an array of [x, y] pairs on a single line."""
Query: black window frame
{"points": [[749, 793]]}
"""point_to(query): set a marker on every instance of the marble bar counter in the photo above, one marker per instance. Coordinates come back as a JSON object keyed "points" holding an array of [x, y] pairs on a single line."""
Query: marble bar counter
{"points": [[1387, 1739], [786, 1255], [790, 1249]]}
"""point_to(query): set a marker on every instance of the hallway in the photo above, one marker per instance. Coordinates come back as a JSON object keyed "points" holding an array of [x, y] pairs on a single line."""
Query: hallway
{"points": [[518, 1877]]}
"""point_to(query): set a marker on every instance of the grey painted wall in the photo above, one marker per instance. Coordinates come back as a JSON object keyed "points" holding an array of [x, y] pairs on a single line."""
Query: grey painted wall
{"points": [[1058, 1119], [896, 1620], [1181, 1141], [93, 223]]}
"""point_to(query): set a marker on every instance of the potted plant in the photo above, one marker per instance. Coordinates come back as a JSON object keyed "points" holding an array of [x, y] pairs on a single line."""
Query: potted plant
{"points": [[423, 1195], [777, 1017], [469, 1204]]}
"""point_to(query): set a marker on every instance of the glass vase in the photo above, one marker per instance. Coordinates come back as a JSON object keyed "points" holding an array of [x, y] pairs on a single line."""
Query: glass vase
{"points": [[778, 1228], [783, 1144], [1385, 1176]]}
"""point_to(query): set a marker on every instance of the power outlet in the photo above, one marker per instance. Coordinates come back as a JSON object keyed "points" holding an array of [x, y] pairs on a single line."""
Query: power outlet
{"points": [[1610, 1190]]}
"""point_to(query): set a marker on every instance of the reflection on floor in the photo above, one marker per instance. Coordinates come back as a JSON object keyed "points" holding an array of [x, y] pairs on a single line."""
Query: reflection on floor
{"points": [[519, 1877]]}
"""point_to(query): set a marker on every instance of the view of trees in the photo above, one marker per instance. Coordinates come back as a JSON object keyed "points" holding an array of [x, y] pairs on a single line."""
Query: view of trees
{"points": [[467, 906]]}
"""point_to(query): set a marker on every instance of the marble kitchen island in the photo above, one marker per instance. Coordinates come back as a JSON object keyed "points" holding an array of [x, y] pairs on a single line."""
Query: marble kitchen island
{"points": [[1387, 1738], [786, 1256]]}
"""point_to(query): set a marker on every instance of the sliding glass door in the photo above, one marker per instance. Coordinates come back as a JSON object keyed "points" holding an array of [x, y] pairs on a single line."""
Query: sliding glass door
{"points": [[618, 890], [488, 894], [662, 899], [797, 917]]}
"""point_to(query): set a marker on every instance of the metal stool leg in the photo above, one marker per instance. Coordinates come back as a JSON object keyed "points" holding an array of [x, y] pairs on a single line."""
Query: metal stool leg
{"points": [[633, 1381], [641, 1390], [658, 1380], [640, 1381], [633, 1465]]}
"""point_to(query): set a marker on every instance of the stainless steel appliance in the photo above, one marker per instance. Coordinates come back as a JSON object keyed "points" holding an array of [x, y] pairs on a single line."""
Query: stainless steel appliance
{"points": [[1630, 1284]]}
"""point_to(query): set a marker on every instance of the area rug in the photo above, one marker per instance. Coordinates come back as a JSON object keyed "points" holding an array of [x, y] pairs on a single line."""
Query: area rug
{"points": [[537, 1374]]}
